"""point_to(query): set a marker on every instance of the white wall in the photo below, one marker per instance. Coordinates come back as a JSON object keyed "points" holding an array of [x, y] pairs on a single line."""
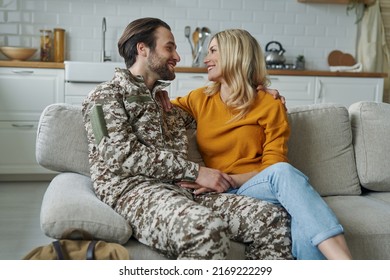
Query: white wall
{"points": [[309, 29]]}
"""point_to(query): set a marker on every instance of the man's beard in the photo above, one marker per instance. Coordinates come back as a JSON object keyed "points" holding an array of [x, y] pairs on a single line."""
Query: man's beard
{"points": [[159, 66]]}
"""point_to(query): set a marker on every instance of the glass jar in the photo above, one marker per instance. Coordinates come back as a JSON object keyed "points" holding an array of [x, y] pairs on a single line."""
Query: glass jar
{"points": [[59, 45], [45, 44]]}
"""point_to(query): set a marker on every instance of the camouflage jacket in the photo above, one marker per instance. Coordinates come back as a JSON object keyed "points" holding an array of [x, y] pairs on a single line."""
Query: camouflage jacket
{"points": [[132, 140]]}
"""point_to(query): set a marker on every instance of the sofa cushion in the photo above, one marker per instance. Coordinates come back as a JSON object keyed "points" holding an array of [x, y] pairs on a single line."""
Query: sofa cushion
{"points": [[321, 147], [139, 251], [62, 140], [382, 197], [371, 133], [70, 203], [366, 222]]}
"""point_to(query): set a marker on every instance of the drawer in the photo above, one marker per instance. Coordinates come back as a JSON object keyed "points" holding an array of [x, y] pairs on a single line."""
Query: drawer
{"points": [[297, 90], [25, 92], [17, 148]]}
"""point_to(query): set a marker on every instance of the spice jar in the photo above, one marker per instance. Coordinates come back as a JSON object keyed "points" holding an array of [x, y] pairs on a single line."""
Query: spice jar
{"points": [[45, 44], [59, 45]]}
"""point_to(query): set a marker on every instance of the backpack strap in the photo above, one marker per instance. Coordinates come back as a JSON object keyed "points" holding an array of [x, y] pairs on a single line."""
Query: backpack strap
{"points": [[91, 250], [57, 248]]}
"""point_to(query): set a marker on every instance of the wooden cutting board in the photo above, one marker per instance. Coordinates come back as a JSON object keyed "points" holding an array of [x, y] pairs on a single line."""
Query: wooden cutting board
{"points": [[334, 58], [347, 60], [338, 58]]}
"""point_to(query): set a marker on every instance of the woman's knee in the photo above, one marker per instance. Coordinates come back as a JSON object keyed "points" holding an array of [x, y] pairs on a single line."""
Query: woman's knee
{"points": [[286, 169]]}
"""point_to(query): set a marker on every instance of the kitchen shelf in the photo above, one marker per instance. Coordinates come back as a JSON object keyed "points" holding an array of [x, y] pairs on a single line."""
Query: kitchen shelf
{"points": [[368, 2]]}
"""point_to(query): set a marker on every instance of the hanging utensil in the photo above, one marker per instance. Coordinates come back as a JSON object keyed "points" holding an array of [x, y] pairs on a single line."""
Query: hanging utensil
{"points": [[206, 32], [203, 35], [195, 39], [187, 32]]}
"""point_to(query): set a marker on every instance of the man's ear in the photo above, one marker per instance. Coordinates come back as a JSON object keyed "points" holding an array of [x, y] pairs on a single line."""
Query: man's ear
{"points": [[142, 49]]}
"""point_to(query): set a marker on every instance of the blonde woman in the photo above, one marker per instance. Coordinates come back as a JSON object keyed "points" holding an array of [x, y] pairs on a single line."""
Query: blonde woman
{"points": [[243, 132]]}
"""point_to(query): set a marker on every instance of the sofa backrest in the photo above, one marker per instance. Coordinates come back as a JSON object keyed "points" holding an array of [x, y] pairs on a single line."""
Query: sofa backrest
{"points": [[370, 122], [62, 143], [320, 145]]}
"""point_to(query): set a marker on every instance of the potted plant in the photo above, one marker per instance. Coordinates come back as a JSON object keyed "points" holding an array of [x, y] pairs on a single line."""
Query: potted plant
{"points": [[300, 62]]}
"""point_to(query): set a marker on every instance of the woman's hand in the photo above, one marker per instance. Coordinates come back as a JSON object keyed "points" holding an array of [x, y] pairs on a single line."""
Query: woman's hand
{"points": [[275, 93], [240, 179], [163, 98]]}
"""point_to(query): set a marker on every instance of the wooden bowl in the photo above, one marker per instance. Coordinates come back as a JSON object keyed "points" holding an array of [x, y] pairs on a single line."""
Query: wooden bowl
{"points": [[18, 53]]}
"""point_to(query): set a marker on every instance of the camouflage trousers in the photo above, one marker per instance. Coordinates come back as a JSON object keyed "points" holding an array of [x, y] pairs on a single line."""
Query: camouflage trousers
{"points": [[165, 218]]}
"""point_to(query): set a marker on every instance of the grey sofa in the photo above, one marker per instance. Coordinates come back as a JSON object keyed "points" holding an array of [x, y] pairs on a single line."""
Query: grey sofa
{"points": [[345, 153]]}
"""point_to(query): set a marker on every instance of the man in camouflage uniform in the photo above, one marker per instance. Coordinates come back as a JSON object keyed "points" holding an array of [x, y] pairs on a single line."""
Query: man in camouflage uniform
{"points": [[138, 154]]}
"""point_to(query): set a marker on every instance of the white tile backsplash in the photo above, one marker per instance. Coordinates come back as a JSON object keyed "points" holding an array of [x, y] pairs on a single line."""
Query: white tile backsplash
{"points": [[313, 30]]}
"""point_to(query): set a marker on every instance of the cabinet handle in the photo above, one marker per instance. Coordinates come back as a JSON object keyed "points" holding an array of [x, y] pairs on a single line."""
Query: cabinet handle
{"points": [[22, 125], [274, 79], [197, 77], [319, 93], [23, 71]]}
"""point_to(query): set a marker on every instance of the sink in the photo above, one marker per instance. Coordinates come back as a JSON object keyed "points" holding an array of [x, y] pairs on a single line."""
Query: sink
{"points": [[90, 72]]}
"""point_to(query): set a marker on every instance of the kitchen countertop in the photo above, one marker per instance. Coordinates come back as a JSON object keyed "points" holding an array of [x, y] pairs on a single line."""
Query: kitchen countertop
{"points": [[56, 65], [31, 64]]}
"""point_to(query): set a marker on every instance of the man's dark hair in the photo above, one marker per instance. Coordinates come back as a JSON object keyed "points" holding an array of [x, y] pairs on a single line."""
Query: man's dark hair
{"points": [[140, 30]]}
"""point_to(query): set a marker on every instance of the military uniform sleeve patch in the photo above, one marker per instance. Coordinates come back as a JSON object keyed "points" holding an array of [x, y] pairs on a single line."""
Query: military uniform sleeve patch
{"points": [[98, 123]]}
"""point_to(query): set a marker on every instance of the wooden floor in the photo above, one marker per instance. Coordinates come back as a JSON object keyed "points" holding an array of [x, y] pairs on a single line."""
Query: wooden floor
{"points": [[20, 231]]}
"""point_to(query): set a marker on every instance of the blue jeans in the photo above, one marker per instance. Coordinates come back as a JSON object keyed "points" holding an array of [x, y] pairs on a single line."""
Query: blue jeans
{"points": [[312, 221]]}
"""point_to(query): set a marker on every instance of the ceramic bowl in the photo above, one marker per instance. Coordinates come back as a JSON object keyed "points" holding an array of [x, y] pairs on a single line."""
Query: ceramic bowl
{"points": [[18, 53]]}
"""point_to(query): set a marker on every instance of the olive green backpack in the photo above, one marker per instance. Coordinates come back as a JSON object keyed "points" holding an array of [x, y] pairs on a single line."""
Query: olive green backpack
{"points": [[78, 245]]}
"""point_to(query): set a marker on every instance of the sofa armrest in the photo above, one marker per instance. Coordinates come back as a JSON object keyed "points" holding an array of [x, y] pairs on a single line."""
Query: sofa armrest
{"points": [[70, 203]]}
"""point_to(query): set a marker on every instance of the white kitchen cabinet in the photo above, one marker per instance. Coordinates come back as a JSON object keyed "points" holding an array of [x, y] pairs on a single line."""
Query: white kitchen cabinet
{"points": [[18, 148], [24, 93], [75, 93], [298, 90], [301, 90], [185, 82], [347, 90]]}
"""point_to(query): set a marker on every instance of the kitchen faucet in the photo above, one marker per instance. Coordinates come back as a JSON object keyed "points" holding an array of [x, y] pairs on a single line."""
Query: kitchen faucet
{"points": [[104, 29]]}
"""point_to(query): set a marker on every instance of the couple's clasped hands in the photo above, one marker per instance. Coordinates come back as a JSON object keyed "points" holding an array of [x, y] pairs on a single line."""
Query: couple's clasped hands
{"points": [[213, 180], [209, 180]]}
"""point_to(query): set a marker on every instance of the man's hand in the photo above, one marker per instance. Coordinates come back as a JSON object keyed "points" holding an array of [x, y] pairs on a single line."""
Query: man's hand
{"points": [[275, 93], [163, 98], [209, 180]]}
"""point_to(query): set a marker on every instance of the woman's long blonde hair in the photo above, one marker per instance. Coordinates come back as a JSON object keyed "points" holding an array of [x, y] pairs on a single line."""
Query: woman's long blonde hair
{"points": [[243, 69]]}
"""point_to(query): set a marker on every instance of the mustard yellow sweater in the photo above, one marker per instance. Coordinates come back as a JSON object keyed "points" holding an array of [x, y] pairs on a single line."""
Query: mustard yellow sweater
{"points": [[250, 144]]}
